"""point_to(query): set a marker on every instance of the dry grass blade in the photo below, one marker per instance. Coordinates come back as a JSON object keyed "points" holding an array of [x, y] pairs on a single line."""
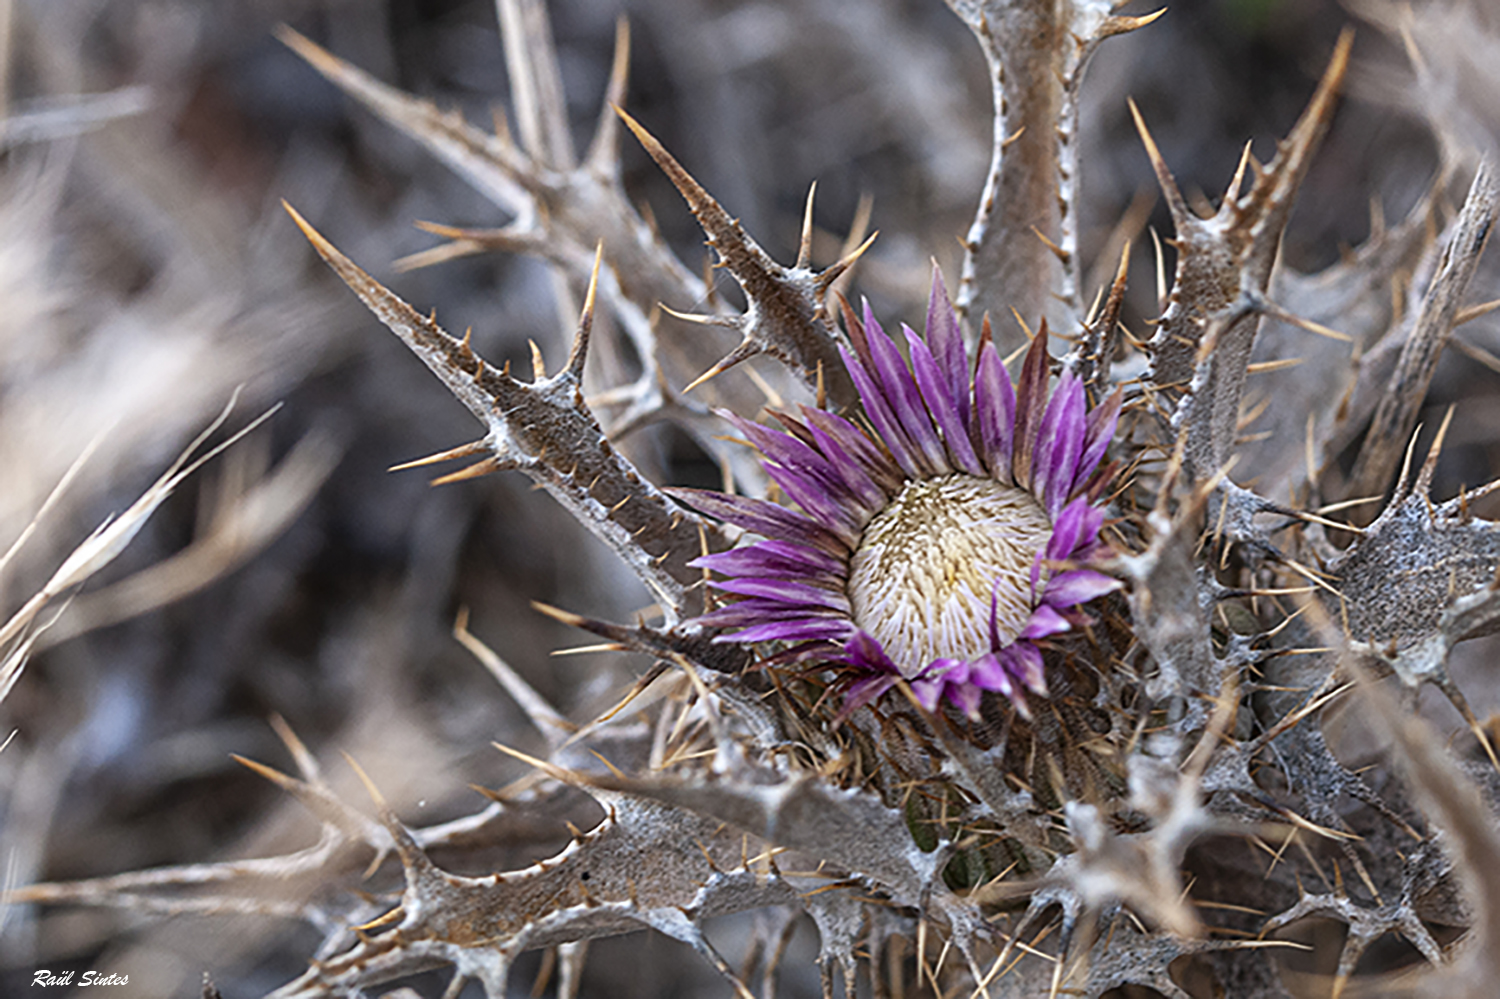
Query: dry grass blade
{"points": [[241, 526], [110, 539]]}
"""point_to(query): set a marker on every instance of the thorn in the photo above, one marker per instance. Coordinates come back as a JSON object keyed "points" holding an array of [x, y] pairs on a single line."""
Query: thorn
{"points": [[1117, 287], [538, 365], [1261, 367], [604, 151], [1476, 353], [1267, 307], [580, 650], [1030, 336], [1475, 311], [578, 355], [316, 56], [1232, 192], [462, 451], [474, 471], [1120, 24], [1093, 311], [836, 270], [550, 769], [1377, 219], [707, 856], [702, 319], [773, 398], [1400, 492], [314, 237], [1057, 251], [380, 922], [1161, 272], [747, 349], [1181, 217], [558, 614], [717, 223], [284, 781], [370, 788], [543, 716], [618, 773], [307, 764], [1424, 477], [804, 248]]}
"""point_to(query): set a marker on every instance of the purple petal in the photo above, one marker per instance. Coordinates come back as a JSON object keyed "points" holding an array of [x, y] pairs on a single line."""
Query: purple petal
{"points": [[854, 469], [835, 496], [775, 445], [853, 439], [884, 420], [785, 591], [928, 692], [1101, 430], [820, 501], [1018, 698], [1058, 445], [790, 452], [863, 651], [1092, 551], [1069, 528], [994, 412], [966, 697], [1031, 399], [763, 518], [940, 676], [763, 610], [773, 558], [989, 673], [940, 404], [1045, 621], [865, 690], [947, 343], [905, 400], [793, 426], [1026, 665], [1088, 534], [1078, 586], [950, 670], [810, 629]]}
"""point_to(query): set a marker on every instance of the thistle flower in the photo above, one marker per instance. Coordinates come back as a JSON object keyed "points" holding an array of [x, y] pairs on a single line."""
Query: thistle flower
{"points": [[940, 541]]}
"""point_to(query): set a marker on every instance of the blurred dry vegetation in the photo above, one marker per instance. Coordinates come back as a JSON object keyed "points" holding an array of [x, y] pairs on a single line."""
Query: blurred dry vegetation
{"points": [[147, 271]]}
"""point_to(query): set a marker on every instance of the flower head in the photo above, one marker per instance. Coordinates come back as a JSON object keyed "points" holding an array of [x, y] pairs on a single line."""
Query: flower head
{"points": [[937, 544]]}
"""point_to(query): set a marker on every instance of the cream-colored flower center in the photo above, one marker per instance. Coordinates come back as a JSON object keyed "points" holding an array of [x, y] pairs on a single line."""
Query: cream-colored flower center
{"points": [[926, 567]]}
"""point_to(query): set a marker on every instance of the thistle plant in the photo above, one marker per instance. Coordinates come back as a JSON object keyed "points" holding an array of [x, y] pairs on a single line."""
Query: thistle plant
{"points": [[937, 549], [1010, 684]]}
